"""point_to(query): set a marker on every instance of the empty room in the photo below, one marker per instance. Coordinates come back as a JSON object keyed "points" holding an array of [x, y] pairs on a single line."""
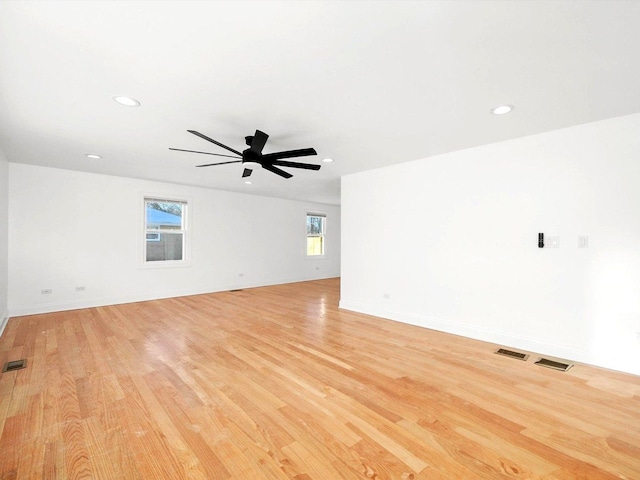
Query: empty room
{"points": [[320, 240]]}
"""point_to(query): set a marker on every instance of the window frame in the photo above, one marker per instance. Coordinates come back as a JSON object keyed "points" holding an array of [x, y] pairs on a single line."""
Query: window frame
{"points": [[315, 213], [184, 231]]}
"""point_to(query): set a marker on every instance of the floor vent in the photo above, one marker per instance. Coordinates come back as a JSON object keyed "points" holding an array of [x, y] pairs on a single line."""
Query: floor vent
{"points": [[512, 354], [15, 365], [545, 362]]}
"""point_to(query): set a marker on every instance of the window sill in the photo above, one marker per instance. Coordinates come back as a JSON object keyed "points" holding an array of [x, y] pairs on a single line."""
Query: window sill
{"points": [[164, 264]]}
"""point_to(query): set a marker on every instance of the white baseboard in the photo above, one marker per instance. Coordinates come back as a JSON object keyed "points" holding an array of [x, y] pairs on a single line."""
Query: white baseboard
{"points": [[538, 346], [65, 305], [4, 319]]}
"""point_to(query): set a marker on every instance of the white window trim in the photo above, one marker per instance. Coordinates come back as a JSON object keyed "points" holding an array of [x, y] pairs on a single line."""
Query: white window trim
{"points": [[318, 213], [187, 232]]}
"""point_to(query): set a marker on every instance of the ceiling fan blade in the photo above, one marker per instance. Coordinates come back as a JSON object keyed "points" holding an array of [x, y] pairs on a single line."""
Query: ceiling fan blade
{"points": [[247, 172], [213, 141], [303, 152], [221, 163], [284, 163], [277, 171], [258, 141], [205, 153]]}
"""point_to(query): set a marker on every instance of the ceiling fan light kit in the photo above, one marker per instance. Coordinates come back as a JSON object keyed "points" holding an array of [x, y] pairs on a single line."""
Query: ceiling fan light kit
{"points": [[253, 158]]}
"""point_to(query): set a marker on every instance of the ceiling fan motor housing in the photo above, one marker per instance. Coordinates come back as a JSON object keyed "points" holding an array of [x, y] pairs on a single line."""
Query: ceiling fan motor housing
{"points": [[251, 158]]}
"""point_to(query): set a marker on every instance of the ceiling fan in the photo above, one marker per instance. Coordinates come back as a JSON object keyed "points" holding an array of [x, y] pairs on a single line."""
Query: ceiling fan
{"points": [[253, 157]]}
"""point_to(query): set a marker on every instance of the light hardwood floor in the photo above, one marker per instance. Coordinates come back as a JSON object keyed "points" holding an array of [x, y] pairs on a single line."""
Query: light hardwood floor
{"points": [[278, 383]]}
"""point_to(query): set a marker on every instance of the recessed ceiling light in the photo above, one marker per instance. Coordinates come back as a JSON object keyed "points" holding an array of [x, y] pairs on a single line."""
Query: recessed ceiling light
{"points": [[502, 109], [126, 101], [248, 182], [92, 155], [327, 160]]}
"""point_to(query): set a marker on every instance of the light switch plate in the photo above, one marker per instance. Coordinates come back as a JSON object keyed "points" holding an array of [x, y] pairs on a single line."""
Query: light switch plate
{"points": [[583, 241]]}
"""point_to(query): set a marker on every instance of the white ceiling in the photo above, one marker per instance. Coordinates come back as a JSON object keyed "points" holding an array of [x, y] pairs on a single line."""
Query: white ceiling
{"points": [[366, 83]]}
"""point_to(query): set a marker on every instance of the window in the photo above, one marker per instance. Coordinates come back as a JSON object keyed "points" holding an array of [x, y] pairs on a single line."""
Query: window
{"points": [[165, 230], [316, 227]]}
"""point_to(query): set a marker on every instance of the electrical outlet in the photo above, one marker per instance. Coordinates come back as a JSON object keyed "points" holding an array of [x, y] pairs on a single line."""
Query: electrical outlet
{"points": [[241, 274], [46, 291], [81, 288]]}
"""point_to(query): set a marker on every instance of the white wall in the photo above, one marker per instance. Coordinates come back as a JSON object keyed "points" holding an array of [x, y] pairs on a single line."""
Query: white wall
{"points": [[69, 229], [4, 239], [452, 242]]}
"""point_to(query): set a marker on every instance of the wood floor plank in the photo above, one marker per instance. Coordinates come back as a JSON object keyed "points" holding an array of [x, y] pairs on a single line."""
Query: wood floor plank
{"points": [[278, 383]]}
